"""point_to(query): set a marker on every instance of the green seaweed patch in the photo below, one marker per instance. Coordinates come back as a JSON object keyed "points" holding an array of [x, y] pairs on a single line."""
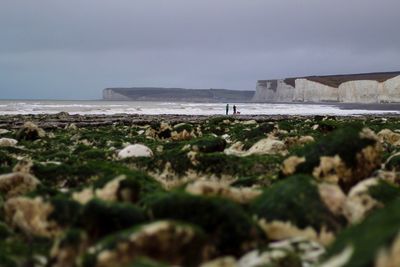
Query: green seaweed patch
{"points": [[329, 125], [368, 238], [18, 250], [345, 142], [6, 161], [393, 164], [76, 173], [207, 144], [5, 231], [384, 192], [296, 199], [101, 218], [254, 165], [182, 127], [66, 211], [228, 226]]}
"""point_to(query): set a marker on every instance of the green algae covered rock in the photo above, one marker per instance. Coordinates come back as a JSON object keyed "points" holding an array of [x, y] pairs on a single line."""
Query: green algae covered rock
{"points": [[393, 163], [68, 248], [130, 187], [346, 156], [384, 192], [375, 240], [166, 241], [296, 199], [100, 218], [208, 144], [65, 211], [229, 228]]}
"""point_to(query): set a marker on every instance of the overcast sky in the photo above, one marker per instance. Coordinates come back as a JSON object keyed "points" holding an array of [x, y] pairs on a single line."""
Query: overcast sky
{"points": [[72, 49]]}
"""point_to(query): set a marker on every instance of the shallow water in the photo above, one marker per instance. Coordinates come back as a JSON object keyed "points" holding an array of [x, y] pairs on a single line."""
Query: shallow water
{"points": [[14, 107]]}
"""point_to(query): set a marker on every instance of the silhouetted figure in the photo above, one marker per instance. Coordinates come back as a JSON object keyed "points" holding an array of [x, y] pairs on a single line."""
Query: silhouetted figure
{"points": [[234, 109], [227, 109]]}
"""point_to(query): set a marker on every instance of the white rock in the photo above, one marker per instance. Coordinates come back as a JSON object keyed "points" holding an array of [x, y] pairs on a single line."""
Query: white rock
{"points": [[4, 131], [267, 146], [6, 142], [136, 150], [17, 183]]}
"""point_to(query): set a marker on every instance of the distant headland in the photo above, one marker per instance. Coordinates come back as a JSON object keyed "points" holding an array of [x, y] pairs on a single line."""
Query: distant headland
{"points": [[177, 94], [378, 87]]}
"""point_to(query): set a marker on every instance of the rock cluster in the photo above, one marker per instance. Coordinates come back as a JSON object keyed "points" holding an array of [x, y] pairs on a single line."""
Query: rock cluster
{"points": [[298, 192]]}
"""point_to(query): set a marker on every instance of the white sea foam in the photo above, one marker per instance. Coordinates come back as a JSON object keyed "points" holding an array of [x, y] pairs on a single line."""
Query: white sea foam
{"points": [[155, 108]]}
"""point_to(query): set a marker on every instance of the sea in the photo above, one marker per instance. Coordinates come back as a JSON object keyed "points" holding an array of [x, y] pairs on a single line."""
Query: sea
{"points": [[98, 107]]}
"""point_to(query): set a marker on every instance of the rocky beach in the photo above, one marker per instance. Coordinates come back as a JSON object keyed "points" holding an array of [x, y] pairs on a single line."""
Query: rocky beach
{"points": [[209, 191]]}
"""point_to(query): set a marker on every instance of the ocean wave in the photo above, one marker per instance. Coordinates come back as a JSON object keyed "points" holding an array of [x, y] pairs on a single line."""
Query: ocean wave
{"points": [[154, 108]]}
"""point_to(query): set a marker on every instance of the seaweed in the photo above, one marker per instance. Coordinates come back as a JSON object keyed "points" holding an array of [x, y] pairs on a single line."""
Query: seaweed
{"points": [[299, 195], [100, 218], [367, 239], [226, 223]]}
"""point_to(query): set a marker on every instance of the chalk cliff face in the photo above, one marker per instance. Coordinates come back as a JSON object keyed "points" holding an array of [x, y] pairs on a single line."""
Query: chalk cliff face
{"points": [[110, 94], [358, 88], [274, 91]]}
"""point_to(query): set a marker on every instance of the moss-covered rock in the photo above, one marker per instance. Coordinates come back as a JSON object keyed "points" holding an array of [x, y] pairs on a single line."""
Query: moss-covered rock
{"points": [[30, 131], [15, 184], [67, 250], [346, 156], [100, 218], [229, 228], [166, 241], [369, 242], [208, 144], [298, 194]]}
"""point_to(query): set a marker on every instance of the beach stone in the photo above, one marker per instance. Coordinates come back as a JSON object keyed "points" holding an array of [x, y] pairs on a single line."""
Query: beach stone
{"points": [[333, 197], [8, 142], [31, 216], [213, 188], [359, 202], [267, 146], [389, 136], [72, 127], [4, 131], [182, 135], [30, 131], [18, 183], [134, 151], [290, 252]]}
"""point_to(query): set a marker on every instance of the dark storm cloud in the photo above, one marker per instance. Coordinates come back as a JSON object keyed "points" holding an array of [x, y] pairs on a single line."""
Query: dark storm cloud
{"points": [[58, 48]]}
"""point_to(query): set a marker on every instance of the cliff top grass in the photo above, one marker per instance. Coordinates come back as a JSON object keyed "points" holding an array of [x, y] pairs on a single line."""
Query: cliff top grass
{"points": [[337, 80]]}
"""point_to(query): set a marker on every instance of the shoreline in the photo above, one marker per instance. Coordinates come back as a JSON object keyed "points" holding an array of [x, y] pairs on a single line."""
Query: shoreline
{"points": [[63, 119]]}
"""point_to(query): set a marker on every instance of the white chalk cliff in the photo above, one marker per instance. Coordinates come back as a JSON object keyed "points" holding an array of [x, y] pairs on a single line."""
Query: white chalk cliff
{"points": [[357, 88]]}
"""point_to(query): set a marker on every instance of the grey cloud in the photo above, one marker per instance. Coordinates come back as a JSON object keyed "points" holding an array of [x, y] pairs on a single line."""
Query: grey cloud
{"points": [[50, 47]]}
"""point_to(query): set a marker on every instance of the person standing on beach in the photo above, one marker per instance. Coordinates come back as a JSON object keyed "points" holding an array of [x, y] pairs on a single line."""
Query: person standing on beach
{"points": [[227, 109], [234, 109]]}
